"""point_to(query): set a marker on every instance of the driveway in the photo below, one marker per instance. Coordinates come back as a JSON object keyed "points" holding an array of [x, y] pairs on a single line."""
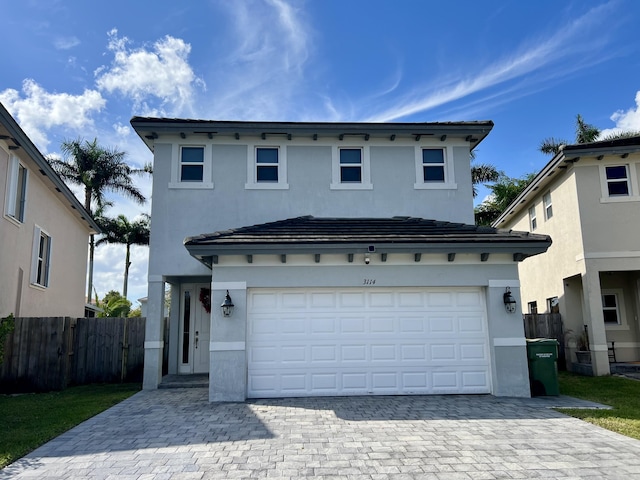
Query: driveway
{"points": [[178, 434]]}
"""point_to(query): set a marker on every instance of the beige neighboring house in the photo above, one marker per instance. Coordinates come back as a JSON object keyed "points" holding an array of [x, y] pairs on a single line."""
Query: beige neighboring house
{"points": [[44, 232], [587, 198]]}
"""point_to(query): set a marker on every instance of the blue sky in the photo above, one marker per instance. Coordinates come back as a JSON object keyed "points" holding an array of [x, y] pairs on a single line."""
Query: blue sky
{"points": [[73, 68]]}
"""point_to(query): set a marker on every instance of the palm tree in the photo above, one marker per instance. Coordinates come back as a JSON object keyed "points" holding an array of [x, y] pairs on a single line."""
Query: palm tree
{"points": [[482, 173], [585, 133], [98, 170], [121, 230]]}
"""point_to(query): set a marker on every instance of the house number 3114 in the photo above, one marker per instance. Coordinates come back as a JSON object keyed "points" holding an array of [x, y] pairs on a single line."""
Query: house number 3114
{"points": [[369, 281]]}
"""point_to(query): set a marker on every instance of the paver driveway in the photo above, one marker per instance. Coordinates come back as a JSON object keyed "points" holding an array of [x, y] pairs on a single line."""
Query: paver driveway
{"points": [[177, 434]]}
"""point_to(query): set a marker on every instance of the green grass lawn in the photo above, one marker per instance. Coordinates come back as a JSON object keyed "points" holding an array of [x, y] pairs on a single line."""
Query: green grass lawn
{"points": [[27, 421], [622, 394]]}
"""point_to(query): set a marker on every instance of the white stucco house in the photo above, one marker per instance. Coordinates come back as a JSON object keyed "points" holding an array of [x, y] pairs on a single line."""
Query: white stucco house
{"points": [[588, 200], [44, 232], [348, 251]]}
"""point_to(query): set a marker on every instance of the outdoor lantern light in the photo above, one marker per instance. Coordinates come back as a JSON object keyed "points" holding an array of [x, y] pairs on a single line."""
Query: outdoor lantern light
{"points": [[227, 305], [509, 301]]}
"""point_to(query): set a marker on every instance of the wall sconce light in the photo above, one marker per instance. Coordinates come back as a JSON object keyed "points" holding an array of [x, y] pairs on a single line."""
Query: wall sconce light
{"points": [[367, 259], [227, 305], [509, 301]]}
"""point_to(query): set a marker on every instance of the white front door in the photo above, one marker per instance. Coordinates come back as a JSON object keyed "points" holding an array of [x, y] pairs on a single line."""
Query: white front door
{"points": [[195, 322]]}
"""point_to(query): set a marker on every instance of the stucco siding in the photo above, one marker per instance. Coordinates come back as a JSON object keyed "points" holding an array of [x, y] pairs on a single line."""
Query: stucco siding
{"points": [[181, 212], [541, 276]]}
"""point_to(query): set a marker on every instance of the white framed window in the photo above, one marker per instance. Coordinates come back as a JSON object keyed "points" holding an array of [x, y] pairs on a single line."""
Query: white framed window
{"points": [[533, 307], [553, 305], [619, 183], [16, 192], [434, 168], [613, 309], [548, 206], [533, 221], [267, 167], [192, 167], [351, 168], [41, 258]]}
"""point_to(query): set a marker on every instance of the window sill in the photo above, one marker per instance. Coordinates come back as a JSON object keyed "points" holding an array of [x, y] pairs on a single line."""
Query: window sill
{"points": [[266, 186], [435, 186], [13, 220], [351, 186], [621, 198], [37, 286], [192, 185], [613, 326]]}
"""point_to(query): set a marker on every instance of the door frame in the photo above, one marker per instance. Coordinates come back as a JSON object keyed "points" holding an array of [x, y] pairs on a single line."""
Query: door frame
{"points": [[198, 317]]}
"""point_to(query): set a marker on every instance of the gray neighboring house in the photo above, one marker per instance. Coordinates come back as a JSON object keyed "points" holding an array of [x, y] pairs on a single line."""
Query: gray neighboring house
{"points": [[587, 198], [348, 251]]}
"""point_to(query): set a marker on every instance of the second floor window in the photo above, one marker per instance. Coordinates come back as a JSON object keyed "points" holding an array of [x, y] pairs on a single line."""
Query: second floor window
{"points": [[266, 165], [433, 165], [350, 165], [617, 180], [548, 207], [191, 164], [16, 190], [533, 222]]}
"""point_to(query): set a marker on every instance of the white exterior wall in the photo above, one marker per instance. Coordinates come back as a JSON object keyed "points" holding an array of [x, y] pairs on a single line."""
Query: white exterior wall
{"points": [[44, 208]]}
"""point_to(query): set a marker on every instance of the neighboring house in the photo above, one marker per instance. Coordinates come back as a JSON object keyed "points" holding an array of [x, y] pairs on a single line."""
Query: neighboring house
{"points": [[44, 233], [587, 199], [321, 235]]}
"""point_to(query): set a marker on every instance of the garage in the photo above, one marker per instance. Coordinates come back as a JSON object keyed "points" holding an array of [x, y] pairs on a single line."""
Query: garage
{"points": [[366, 341]]}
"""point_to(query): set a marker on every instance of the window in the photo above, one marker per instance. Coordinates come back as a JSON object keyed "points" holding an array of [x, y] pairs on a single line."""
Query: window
{"points": [[191, 164], [533, 307], [350, 165], [548, 207], [351, 168], [433, 165], [533, 223], [16, 195], [266, 165], [434, 168], [617, 181], [41, 259], [610, 308]]}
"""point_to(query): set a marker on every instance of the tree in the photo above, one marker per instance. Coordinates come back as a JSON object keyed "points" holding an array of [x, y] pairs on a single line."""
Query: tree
{"points": [[482, 173], [98, 170], [585, 133], [121, 230], [503, 192], [114, 305]]}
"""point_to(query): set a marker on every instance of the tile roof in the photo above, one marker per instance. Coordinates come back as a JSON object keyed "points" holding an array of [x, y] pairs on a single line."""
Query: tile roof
{"points": [[392, 234]]}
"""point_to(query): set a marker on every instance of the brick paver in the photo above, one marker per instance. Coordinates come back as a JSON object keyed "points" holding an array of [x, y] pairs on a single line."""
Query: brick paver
{"points": [[178, 434]]}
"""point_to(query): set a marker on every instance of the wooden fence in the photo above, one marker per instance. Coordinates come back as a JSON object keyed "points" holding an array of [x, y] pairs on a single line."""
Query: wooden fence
{"points": [[546, 325], [44, 354]]}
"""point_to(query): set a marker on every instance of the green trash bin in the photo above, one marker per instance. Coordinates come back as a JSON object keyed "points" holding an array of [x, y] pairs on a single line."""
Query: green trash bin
{"points": [[542, 354]]}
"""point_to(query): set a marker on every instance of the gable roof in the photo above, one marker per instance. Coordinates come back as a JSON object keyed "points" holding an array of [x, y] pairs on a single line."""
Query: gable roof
{"points": [[11, 132], [360, 235], [150, 128], [568, 155]]}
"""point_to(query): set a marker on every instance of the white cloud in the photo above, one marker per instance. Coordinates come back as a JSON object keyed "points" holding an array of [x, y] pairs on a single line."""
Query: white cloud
{"points": [[37, 110], [66, 43], [542, 60], [268, 47], [625, 120], [161, 72], [122, 130]]}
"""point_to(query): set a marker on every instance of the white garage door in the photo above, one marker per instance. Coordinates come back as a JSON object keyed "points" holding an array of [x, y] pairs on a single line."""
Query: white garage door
{"points": [[309, 342]]}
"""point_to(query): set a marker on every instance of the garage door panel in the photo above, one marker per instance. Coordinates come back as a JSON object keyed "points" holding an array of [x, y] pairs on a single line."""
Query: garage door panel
{"points": [[359, 342]]}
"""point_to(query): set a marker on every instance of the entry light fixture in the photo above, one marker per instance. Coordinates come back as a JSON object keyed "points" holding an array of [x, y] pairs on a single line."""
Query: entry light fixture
{"points": [[509, 301], [227, 305]]}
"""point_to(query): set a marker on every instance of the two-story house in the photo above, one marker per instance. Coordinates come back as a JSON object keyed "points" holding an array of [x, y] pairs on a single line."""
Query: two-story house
{"points": [[322, 237], [587, 199], [44, 232]]}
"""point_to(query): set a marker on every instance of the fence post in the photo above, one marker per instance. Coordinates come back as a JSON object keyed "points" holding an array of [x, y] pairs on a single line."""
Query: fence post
{"points": [[125, 351]]}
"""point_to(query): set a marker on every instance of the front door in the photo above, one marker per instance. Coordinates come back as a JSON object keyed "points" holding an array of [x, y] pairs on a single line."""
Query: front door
{"points": [[194, 329]]}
